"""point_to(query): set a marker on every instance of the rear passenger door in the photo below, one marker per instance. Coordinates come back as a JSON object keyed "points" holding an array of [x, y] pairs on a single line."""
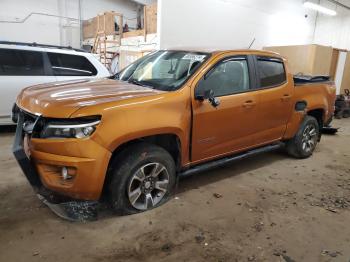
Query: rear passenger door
{"points": [[19, 69], [70, 67], [275, 99]]}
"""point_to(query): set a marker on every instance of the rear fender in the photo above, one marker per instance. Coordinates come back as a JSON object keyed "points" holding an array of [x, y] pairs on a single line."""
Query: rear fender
{"points": [[294, 123]]}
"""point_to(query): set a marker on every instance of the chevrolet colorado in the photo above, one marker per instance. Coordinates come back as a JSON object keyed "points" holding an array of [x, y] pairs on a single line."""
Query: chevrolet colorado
{"points": [[170, 113]]}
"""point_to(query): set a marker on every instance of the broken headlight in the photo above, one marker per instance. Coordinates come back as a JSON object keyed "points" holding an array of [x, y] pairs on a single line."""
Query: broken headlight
{"points": [[70, 128]]}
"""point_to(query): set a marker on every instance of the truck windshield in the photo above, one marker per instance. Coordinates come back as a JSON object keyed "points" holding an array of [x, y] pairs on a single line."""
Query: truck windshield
{"points": [[163, 70]]}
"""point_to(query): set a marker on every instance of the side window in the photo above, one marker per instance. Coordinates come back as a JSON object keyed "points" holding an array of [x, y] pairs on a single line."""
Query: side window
{"points": [[21, 63], [228, 77], [271, 72], [71, 65]]}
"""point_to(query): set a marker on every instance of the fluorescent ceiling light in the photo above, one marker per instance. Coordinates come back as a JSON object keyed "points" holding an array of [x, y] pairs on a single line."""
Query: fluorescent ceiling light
{"points": [[320, 8]]}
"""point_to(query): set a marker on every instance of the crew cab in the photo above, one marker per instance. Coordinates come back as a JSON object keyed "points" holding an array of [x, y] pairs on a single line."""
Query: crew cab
{"points": [[172, 113]]}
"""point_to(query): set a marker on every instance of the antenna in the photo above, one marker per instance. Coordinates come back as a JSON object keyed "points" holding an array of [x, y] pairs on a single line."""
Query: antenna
{"points": [[251, 44]]}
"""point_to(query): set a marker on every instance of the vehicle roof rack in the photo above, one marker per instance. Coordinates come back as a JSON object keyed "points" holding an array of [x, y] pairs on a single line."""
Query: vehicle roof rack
{"points": [[34, 44]]}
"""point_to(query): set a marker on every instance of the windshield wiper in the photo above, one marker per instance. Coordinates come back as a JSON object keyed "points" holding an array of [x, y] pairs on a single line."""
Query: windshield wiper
{"points": [[135, 82], [115, 76]]}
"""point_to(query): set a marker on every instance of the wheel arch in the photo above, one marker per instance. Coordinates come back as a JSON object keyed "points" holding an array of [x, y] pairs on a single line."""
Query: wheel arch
{"points": [[298, 116], [168, 141], [319, 114]]}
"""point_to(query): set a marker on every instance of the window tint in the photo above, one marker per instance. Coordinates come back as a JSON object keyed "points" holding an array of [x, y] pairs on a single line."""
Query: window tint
{"points": [[71, 65], [21, 63], [229, 77], [271, 72]]}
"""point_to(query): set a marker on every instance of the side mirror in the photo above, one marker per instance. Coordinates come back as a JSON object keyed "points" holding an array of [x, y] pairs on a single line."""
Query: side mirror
{"points": [[208, 95]]}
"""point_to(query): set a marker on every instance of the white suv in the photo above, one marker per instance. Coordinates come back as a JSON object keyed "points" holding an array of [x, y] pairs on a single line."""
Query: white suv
{"points": [[23, 65]]}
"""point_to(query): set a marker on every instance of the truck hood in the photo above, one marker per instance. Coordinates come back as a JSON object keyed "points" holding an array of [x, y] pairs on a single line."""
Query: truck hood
{"points": [[62, 99]]}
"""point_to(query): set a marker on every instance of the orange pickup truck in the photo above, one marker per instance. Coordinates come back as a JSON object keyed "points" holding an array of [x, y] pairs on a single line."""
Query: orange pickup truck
{"points": [[171, 113]]}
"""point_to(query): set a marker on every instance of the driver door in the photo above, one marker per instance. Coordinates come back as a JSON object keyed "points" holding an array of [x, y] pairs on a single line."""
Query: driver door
{"points": [[230, 126]]}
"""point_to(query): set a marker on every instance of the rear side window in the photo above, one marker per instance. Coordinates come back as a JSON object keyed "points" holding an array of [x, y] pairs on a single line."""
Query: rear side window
{"points": [[271, 72], [71, 65], [21, 63]]}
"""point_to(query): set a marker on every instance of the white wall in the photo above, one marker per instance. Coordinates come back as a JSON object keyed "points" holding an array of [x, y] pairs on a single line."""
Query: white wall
{"points": [[36, 29], [334, 30], [51, 30], [185, 23], [340, 71], [233, 23]]}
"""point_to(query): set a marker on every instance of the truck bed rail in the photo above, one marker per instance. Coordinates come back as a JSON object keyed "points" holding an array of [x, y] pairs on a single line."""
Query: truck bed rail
{"points": [[303, 79]]}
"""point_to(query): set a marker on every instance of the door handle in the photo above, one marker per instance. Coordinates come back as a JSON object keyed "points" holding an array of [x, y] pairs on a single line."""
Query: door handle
{"points": [[249, 103], [286, 97]]}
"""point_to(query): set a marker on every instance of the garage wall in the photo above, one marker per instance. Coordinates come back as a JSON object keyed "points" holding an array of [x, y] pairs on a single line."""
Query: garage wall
{"points": [[37, 28], [334, 31], [181, 22], [234, 23], [51, 30]]}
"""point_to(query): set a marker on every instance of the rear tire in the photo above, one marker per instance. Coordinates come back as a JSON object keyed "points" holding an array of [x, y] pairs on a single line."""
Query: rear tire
{"points": [[143, 177], [303, 144]]}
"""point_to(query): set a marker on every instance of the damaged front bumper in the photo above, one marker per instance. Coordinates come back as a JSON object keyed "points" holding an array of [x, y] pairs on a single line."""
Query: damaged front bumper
{"points": [[64, 207]]}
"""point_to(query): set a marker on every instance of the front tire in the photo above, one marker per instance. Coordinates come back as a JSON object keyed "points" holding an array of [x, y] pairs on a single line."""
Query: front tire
{"points": [[143, 177], [303, 144]]}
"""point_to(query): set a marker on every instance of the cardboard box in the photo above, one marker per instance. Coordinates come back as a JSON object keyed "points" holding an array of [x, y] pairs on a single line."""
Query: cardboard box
{"points": [[306, 59], [90, 28]]}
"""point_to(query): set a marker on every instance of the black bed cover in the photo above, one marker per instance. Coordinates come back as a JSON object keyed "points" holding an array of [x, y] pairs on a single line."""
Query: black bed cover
{"points": [[301, 79]]}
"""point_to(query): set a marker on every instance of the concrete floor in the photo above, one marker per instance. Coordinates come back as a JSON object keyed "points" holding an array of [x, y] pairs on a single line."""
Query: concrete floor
{"points": [[266, 208]]}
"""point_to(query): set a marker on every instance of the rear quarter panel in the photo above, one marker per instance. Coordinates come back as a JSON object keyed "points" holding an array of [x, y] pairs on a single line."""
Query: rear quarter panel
{"points": [[317, 96]]}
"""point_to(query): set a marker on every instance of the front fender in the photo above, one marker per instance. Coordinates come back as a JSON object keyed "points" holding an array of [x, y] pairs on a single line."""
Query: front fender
{"points": [[166, 113]]}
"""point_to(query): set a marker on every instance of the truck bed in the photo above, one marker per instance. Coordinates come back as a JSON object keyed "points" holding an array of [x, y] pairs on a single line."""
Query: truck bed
{"points": [[317, 92]]}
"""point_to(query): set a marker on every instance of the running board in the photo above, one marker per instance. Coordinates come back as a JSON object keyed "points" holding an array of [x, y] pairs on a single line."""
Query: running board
{"points": [[329, 130], [228, 160]]}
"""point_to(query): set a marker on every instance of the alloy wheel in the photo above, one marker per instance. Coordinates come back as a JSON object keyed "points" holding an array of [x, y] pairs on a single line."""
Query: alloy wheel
{"points": [[148, 185], [309, 139]]}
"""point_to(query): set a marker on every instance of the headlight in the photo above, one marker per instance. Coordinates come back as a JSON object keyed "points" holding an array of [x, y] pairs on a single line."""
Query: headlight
{"points": [[70, 128]]}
